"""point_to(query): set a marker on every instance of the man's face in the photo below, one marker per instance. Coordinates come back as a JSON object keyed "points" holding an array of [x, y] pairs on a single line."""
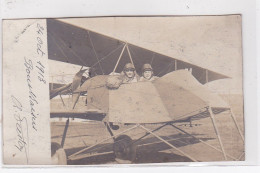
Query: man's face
{"points": [[129, 73], [148, 74]]}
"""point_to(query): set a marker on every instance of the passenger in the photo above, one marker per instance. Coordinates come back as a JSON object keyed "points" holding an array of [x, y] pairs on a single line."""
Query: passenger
{"points": [[147, 72], [129, 74]]}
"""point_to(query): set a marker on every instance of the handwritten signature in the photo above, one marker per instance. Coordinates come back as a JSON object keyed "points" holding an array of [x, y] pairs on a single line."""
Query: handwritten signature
{"points": [[22, 143]]}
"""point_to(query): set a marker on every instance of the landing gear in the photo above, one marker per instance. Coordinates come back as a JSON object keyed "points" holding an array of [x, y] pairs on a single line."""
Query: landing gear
{"points": [[124, 148], [114, 127], [58, 155]]}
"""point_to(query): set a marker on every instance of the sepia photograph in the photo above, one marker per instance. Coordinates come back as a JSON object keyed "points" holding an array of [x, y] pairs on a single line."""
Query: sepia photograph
{"points": [[139, 90]]}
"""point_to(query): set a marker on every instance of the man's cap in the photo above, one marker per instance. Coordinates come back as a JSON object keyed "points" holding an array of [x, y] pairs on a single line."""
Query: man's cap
{"points": [[129, 66], [147, 67]]}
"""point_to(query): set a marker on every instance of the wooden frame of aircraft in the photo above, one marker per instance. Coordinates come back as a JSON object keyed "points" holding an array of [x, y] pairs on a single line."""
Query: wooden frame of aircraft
{"points": [[150, 102]]}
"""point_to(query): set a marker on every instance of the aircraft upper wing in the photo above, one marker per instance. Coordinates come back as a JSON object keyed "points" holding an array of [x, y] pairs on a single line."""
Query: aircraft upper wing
{"points": [[71, 44]]}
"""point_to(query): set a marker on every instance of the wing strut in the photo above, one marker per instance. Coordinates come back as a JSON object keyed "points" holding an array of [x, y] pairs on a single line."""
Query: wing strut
{"points": [[62, 100], [119, 58], [147, 134], [109, 130], [217, 132], [166, 142], [130, 56], [200, 140], [102, 141], [235, 121], [207, 76], [65, 133]]}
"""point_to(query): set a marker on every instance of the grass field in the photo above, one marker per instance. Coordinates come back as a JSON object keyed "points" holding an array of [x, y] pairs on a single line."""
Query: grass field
{"points": [[150, 149]]}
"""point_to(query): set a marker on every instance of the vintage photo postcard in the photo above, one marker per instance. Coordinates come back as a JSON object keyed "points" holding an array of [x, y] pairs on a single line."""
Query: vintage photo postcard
{"points": [[122, 90]]}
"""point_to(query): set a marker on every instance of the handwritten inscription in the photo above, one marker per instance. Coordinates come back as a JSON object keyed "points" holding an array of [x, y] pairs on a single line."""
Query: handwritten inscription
{"points": [[35, 66], [23, 31], [26, 110], [41, 70], [22, 136], [32, 97], [40, 43], [28, 62], [40, 53]]}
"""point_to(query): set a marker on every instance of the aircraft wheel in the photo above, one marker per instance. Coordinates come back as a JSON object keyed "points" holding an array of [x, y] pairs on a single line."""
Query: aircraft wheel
{"points": [[58, 154], [124, 149]]}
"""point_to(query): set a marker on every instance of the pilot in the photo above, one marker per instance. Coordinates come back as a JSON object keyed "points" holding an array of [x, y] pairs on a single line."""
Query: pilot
{"points": [[129, 74], [147, 73]]}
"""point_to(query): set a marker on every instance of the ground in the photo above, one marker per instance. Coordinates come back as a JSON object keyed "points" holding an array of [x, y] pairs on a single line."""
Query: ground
{"points": [[150, 149]]}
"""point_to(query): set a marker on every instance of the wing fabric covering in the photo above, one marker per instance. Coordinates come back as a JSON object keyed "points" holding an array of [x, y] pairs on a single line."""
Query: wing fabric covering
{"points": [[75, 45], [184, 80], [185, 97], [97, 98], [137, 103]]}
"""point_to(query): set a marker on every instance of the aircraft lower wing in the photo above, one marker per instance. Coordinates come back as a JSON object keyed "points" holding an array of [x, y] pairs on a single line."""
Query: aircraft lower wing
{"points": [[201, 114], [63, 90], [95, 115]]}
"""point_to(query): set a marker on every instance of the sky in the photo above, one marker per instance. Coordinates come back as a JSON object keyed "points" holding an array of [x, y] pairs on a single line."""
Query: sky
{"points": [[212, 42]]}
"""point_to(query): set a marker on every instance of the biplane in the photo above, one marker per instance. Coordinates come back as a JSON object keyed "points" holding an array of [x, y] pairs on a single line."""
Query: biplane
{"points": [[178, 95]]}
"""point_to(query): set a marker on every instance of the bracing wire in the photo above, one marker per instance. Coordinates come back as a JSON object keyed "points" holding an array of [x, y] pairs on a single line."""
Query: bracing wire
{"points": [[62, 52], [167, 68], [106, 56], [95, 52], [72, 51]]}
